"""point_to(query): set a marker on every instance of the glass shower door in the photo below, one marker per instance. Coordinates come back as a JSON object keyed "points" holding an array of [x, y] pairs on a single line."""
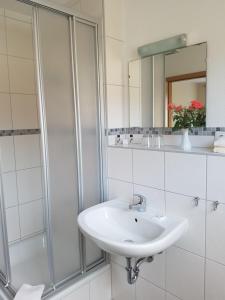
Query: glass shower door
{"points": [[60, 141], [89, 111]]}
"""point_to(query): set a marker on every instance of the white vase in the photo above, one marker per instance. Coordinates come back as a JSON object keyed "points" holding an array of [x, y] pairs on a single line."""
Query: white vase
{"points": [[185, 143]]}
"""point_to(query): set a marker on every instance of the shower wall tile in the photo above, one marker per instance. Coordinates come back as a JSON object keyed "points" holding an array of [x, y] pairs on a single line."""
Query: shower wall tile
{"points": [[215, 274], [13, 224], [27, 151], [24, 111], [183, 206], [5, 112], [29, 185], [114, 61], [21, 84], [155, 271], [184, 267], [81, 293], [10, 189], [120, 164], [121, 290], [31, 218], [171, 297], [3, 48], [4, 74], [115, 105], [100, 287], [145, 291], [117, 188], [114, 18], [7, 153], [2, 11], [215, 235], [19, 16], [19, 38]]}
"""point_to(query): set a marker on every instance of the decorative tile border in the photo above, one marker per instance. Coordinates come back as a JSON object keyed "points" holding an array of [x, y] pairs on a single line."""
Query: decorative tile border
{"points": [[19, 132], [205, 131]]}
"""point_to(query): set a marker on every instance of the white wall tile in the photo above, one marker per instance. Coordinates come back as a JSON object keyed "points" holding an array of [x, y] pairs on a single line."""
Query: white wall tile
{"points": [[148, 168], [145, 291], [19, 38], [155, 198], [114, 18], [184, 274], [186, 174], [3, 48], [92, 8], [121, 290], [155, 271], [23, 16], [215, 277], [216, 178], [29, 185], [121, 189], [24, 111], [183, 206], [100, 287], [7, 153], [10, 189], [115, 106], [12, 220], [5, 112], [31, 217], [27, 151], [81, 293], [170, 297], [120, 164], [114, 61], [215, 234], [21, 84], [120, 260], [4, 74]]}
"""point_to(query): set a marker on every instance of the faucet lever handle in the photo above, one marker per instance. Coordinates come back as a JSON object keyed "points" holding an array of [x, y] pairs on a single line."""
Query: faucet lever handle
{"points": [[142, 199]]}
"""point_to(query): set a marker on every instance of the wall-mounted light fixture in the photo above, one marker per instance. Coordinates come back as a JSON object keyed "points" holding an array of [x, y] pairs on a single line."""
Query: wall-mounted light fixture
{"points": [[162, 46]]}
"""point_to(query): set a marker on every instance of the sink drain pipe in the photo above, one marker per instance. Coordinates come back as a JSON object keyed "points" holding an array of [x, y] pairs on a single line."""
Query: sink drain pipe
{"points": [[133, 272]]}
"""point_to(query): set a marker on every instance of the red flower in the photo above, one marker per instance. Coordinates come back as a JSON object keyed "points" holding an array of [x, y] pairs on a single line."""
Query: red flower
{"points": [[171, 106], [196, 104], [178, 108]]}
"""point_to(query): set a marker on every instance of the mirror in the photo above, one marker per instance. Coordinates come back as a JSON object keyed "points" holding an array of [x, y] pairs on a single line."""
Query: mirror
{"points": [[159, 81]]}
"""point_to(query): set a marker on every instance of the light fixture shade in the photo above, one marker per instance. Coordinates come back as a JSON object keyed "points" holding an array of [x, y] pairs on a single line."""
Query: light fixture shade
{"points": [[166, 45]]}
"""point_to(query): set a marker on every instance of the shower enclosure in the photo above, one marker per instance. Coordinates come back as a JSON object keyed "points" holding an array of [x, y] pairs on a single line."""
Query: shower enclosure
{"points": [[51, 127]]}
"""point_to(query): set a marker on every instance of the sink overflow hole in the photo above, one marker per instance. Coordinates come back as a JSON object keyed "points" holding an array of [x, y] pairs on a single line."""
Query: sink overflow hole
{"points": [[136, 220], [129, 241]]}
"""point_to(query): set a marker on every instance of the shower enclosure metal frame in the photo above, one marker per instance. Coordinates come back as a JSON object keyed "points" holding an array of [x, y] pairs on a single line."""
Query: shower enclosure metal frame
{"points": [[73, 18]]}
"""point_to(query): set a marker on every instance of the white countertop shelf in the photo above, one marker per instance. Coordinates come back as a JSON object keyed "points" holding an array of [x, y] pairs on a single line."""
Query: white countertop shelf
{"points": [[194, 150]]}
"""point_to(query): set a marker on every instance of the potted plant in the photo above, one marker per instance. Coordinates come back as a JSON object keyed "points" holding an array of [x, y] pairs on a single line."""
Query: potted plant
{"points": [[185, 118]]}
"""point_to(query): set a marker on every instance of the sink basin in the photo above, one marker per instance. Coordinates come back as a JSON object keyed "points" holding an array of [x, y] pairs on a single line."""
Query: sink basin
{"points": [[118, 230]]}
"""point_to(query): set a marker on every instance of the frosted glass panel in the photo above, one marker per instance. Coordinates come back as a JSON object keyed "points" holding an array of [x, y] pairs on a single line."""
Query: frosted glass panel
{"points": [[87, 73], [58, 91]]}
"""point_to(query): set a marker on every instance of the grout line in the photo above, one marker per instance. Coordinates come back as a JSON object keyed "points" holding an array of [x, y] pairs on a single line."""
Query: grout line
{"points": [[26, 237], [114, 38]]}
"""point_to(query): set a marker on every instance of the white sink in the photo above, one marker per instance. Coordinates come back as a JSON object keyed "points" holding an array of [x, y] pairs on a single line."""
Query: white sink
{"points": [[118, 230]]}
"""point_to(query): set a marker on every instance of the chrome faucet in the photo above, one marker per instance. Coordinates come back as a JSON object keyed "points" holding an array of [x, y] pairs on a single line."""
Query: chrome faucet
{"points": [[141, 205]]}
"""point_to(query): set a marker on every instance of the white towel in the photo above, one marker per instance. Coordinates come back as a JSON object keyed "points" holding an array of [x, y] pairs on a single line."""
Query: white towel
{"points": [[29, 292], [219, 141], [219, 150]]}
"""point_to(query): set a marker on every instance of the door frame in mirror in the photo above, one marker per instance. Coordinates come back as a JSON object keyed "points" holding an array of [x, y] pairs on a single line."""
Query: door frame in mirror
{"points": [[168, 96]]}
